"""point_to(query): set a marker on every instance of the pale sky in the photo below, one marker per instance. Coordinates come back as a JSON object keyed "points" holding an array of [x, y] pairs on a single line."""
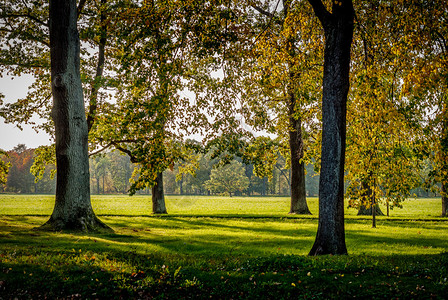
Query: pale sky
{"points": [[10, 135]]}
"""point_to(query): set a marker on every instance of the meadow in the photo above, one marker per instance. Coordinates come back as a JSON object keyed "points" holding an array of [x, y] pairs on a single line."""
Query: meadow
{"points": [[220, 248]]}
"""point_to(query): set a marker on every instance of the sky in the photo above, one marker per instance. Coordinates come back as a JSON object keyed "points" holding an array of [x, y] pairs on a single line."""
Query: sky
{"points": [[10, 135]]}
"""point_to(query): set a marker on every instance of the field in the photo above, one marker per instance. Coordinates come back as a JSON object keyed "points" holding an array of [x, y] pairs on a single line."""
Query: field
{"points": [[220, 247]]}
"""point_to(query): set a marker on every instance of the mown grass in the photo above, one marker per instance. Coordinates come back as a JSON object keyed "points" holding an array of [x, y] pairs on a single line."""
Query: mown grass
{"points": [[213, 206], [195, 252]]}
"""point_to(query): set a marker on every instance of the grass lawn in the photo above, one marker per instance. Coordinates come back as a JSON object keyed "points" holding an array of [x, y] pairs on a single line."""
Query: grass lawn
{"points": [[219, 247]]}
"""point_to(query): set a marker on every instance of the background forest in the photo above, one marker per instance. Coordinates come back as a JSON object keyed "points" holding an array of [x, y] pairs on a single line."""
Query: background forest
{"points": [[111, 173]]}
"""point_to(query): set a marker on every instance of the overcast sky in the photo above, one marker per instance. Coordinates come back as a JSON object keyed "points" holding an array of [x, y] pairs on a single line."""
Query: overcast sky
{"points": [[10, 135]]}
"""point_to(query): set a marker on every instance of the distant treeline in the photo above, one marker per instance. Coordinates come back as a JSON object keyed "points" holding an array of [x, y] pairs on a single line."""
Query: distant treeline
{"points": [[112, 172]]}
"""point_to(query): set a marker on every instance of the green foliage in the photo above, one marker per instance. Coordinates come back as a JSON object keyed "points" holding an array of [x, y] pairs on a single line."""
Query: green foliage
{"points": [[19, 178], [4, 166], [263, 153], [228, 179], [382, 134], [44, 156]]}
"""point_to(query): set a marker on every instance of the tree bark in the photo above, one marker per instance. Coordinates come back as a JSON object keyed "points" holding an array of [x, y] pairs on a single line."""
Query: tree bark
{"points": [[444, 200], [298, 190], [158, 197], [72, 209], [338, 29], [444, 166]]}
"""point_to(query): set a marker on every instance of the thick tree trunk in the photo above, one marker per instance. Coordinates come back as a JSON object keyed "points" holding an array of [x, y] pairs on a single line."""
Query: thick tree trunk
{"points": [[158, 197], [338, 28], [72, 210], [298, 191]]}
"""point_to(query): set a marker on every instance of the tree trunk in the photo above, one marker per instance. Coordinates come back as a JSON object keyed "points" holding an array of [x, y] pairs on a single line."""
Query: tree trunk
{"points": [[338, 28], [279, 183], [368, 197], [444, 166], [298, 189], [158, 197], [264, 187], [373, 204], [72, 210], [444, 200], [298, 192], [181, 188], [387, 207]]}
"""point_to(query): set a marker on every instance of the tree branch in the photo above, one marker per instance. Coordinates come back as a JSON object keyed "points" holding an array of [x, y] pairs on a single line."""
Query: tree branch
{"points": [[124, 150], [321, 12], [81, 6], [267, 26], [100, 150], [262, 11], [93, 103], [29, 16]]}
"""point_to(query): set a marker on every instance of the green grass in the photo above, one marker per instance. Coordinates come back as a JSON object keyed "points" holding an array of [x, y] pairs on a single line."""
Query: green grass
{"points": [[214, 206], [218, 247]]}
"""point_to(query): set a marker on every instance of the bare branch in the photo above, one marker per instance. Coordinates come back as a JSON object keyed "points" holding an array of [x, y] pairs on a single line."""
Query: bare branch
{"points": [[100, 150], [81, 6], [267, 26], [29, 16], [262, 11]]}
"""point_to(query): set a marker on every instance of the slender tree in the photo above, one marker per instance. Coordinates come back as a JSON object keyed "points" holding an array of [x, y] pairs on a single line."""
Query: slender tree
{"points": [[426, 83], [338, 30], [285, 70], [382, 129]]}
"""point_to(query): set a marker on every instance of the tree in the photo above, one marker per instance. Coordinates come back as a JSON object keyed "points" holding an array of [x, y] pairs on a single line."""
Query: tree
{"points": [[338, 30], [4, 167], [381, 165], [194, 183], [426, 83], [228, 179], [121, 171], [72, 210], [99, 167], [280, 75], [159, 49], [19, 178]]}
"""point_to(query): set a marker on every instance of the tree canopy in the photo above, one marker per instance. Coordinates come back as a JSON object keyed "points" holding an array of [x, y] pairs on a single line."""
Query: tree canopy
{"points": [[152, 74]]}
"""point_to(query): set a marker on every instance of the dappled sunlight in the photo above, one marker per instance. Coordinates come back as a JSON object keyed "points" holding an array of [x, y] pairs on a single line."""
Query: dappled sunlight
{"points": [[163, 252]]}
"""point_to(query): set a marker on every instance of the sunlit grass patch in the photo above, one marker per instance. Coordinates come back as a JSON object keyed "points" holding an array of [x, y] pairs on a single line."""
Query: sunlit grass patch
{"points": [[218, 247], [213, 206], [221, 257]]}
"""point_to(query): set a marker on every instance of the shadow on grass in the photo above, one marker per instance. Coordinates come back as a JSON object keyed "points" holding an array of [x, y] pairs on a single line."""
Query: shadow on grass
{"points": [[181, 237], [204, 257]]}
